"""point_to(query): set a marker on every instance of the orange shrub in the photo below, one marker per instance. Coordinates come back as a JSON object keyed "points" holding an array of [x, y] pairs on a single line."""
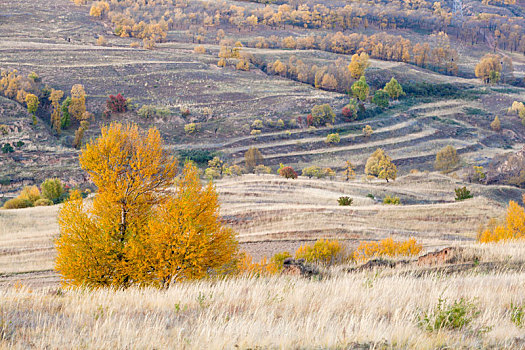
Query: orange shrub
{"points": [[248, 267], [512, 228], [387, 247]]}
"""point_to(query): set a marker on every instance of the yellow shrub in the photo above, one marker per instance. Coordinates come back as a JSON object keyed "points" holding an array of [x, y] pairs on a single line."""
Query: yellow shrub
{"points": [[30, 193], [387, 247], [512, 228], [322, 251]]}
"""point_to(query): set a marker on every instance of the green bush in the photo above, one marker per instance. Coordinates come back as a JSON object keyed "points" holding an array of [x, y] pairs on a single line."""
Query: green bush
{"points": [[333, 138], [322, 114], [517, 315], [150, 111], [66, 118], [345, 200], [43, 202], [462, 193], [391, 200], [198, 156], [53, 189], [7, 148], [191, 128], [456, 316], [18, 203], [371, 196]]}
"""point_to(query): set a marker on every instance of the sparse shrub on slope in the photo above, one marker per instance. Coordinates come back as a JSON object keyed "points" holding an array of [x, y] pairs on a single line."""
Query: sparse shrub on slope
{"points": [[332, 138], [116, 104], [393, 200], [462, 193], [345, 201]]}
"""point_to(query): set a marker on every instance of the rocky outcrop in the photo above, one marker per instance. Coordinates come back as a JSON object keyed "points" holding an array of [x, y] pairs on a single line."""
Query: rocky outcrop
{"points": [[507, 169], [298, 267], [447, 255]]}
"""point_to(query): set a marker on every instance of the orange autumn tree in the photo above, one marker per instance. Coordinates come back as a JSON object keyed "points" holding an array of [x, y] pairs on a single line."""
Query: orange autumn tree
{"points": [[512, 228], [138, 230]]}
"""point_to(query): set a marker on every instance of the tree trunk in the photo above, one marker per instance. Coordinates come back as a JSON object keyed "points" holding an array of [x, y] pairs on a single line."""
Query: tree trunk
{"points": [[123, 223]]}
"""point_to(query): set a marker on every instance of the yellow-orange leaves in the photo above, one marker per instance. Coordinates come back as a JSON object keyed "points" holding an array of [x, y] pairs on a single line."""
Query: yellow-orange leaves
{"points": [[512, 228], [138, 230], [387, 247]]}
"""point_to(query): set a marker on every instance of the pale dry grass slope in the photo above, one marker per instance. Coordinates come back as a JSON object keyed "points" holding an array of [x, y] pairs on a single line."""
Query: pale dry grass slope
{"points": [[376, 309]]}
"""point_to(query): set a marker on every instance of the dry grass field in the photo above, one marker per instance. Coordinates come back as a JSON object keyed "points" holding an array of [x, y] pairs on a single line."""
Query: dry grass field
{"points": [[374, 309], [367, 310]]}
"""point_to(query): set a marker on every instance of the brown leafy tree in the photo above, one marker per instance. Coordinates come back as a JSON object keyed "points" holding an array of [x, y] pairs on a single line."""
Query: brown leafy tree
{"points": [[252, 158], [447, 159]]}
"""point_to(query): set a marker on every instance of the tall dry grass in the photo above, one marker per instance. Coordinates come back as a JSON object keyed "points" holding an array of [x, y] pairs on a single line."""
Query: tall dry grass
{"points": [[276, 312]]}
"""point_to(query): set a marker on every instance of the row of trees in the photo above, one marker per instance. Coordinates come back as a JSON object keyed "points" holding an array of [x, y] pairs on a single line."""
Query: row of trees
{"points": [[382, 46], [31, 92], [151, 20]]}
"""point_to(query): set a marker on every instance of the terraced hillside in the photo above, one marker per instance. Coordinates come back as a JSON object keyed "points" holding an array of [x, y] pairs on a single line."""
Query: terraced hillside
{"points": [[225, 102], [412, 138]]}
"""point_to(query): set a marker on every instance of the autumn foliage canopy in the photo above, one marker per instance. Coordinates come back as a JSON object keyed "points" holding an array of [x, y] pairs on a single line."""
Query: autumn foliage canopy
{"points": [[138, 230]]}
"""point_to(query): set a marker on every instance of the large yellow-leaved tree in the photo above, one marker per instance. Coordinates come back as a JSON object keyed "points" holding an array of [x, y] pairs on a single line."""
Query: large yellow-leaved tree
{"points": [[145, 225]]}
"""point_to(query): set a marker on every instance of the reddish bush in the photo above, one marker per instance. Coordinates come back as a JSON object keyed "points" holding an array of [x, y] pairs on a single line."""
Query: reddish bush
{"points": [[185, 113], [116, 104], [309, 120], [288, 172], [348, 113]]}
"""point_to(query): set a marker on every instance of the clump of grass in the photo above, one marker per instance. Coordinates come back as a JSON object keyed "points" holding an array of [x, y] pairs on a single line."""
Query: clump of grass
{"points": [[345, 200], [391, 200], [517, 315], [462, 193], [458, 315]]}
